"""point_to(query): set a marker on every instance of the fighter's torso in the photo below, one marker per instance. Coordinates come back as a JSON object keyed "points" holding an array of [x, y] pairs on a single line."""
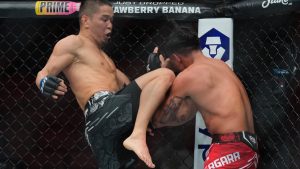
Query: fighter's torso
{"points": [[221, 99], [91, 70]]}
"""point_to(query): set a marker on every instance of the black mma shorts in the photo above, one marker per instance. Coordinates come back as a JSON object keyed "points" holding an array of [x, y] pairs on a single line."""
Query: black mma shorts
{"points": [[110, 119]]}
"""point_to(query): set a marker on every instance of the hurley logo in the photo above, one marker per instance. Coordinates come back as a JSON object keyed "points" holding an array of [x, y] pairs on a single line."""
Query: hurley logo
{"points": [[267, 3]]}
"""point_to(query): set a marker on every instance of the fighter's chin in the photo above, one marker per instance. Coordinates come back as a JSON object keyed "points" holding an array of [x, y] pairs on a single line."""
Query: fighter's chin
{"points": [[106, 39], [108, 36]]}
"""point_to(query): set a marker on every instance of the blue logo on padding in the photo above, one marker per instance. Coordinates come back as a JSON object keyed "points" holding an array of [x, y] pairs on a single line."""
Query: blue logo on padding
{"points": [[215, 44]]}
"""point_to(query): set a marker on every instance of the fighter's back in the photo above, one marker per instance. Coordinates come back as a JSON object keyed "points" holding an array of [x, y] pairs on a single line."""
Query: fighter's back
{"points": [[220, 96]]}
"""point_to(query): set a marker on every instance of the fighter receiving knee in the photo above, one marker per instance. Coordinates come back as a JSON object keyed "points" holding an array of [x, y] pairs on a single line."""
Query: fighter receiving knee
{"points": [[110, 108], [210, 86]]}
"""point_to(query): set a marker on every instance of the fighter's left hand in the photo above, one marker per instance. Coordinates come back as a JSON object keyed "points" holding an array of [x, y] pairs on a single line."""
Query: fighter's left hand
{"points": [[164, 62]]}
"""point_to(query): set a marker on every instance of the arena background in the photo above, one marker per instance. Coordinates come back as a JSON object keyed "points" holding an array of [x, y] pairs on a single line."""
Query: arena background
{"points": [[37, 132]]}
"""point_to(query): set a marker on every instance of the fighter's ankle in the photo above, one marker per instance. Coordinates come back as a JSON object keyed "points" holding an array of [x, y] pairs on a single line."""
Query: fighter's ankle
{"points": [[139, 132], [138, 135]]}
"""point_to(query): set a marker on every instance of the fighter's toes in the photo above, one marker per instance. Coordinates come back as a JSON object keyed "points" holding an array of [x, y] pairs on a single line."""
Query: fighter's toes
{"points": [[140, 148], [148, 161]]}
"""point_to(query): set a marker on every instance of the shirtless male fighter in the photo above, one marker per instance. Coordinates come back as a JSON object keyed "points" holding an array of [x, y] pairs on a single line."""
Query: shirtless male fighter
{"points": [[110, 108], [210, 86]]}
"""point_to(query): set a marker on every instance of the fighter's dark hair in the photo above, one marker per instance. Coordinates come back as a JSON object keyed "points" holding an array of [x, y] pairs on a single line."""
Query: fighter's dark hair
{"points": [[89, 7], [182, 40]]}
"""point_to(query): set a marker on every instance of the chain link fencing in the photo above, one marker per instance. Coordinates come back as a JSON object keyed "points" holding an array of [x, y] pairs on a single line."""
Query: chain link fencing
{"points": [[37, 132]]}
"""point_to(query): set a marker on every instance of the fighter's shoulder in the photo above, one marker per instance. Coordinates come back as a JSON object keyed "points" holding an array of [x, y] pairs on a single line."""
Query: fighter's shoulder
{"points": [[185, 77], [69, 43], [195, 74], [195, 70]]}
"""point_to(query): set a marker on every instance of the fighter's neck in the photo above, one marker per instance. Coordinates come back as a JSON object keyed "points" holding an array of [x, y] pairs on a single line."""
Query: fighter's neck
{"points": [[198, 56], [90, 38]]}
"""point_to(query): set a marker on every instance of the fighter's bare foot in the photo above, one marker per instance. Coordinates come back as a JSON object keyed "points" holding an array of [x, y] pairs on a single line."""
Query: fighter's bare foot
{"points": [[140, 148]]}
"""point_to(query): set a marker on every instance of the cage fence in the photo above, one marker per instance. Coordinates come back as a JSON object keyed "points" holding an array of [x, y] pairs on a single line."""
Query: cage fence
{"points": [[37, 132]]}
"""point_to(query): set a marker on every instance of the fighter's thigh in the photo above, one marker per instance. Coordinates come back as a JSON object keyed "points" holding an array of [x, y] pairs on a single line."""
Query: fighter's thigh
{"points": [[143, 80]]}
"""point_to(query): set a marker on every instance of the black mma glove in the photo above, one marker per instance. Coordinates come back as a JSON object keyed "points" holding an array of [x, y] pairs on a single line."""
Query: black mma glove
{"points": [[153, 62], [48, 85]]}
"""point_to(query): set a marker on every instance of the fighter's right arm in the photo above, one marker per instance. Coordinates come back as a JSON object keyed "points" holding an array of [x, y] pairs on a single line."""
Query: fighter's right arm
{"points": [[178, 108], [63, 54]]}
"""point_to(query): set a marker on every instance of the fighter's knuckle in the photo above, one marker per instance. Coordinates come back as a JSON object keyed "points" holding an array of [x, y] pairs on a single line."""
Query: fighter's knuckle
{"points": [[49, 86], [153, 62]]}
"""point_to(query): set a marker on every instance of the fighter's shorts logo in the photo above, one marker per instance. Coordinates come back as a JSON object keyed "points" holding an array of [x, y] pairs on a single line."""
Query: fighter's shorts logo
{"points": [[215, 44], [224, 160]]}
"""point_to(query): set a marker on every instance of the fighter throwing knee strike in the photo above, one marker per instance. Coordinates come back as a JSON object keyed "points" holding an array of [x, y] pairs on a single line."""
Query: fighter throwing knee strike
{"points": [[109, 100]]}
